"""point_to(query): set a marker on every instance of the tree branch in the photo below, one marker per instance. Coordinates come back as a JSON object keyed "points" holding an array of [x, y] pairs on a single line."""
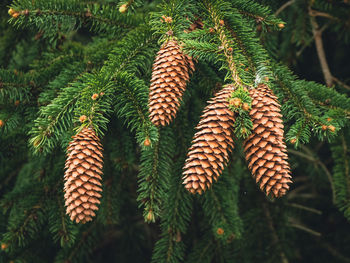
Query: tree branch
{"points": [[318, 162], [295, 224], [335, 252], [284, 6], [275, 238], [341, 83], [321, 14], [306, 208], [320, 50]]}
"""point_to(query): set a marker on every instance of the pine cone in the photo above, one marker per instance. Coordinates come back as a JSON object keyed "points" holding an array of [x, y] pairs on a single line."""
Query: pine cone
{"points": [[265, 149], [169, 77], [82, 185], [211, 145]]}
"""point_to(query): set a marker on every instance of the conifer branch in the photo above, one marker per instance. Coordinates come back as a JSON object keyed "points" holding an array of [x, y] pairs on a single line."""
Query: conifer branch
{"points": [[225, 223], [260, 13], [323, 104], [60, 226], [341, 175], [84, 15], [154, 176], [72, 64], [74, 14], [203, 251], [83, 239], [225, 46], [177, 210]]}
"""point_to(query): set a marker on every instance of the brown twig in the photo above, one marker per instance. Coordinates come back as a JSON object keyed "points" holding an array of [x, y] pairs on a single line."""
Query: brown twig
{"points": [[309, 41], [304, 196], [284, 6], [321, 14], [275, 238], [317, 33], [317, 162], [296, 191], [295, 224], [320, 50], [341, 83], [335, 252], [306, 208]]}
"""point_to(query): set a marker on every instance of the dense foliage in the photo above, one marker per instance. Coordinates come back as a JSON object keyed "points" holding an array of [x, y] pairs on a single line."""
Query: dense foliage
{"points": [[56, 54]]}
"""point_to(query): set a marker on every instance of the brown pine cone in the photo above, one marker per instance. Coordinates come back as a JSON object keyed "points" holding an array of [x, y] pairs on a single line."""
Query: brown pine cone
{"points": [[265, 149], [211, 145], [169, 78], [82, 185]]}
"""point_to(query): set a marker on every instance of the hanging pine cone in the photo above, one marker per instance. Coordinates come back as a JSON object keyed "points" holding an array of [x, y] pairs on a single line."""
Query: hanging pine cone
{"points": [[265, 149], [169, 78], [211, 145], [83, 176]]}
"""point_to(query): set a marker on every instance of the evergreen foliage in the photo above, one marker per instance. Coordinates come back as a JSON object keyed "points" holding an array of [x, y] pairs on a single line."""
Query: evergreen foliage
{"points": [[70, 64]]}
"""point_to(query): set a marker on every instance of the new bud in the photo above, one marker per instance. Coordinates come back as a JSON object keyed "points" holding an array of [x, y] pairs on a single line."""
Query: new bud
{"points": [[236, 102], [123, 8]]}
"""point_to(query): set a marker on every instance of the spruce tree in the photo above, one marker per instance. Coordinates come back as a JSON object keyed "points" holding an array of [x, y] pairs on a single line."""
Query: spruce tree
{"points": [[174, 131]]}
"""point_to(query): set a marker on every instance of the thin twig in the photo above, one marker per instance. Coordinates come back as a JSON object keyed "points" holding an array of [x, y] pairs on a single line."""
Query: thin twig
{"points": [[306, 208], [335, 252], [321, 164], [306, 229], [301, 179], [321, 14], [320, 50], [275, 238], [285, 5], [10, 177], [297, 225], [296, 191], [341, 83], [309, 41], [301, 154], [302, 196]]}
